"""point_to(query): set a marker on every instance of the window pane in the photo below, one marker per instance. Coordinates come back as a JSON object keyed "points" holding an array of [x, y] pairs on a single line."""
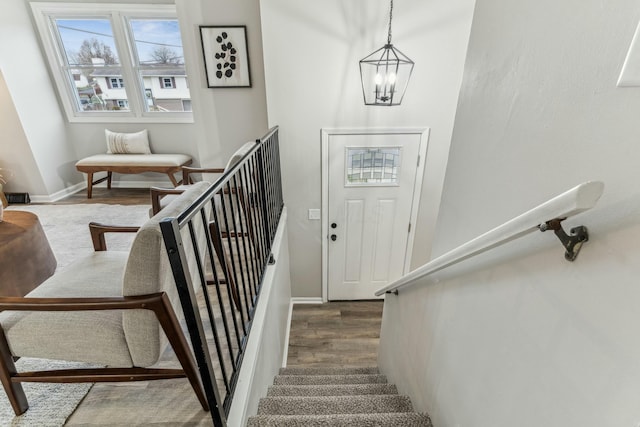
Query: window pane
{"points": [[87, 41], [160, 64], [372, 165], [93, 65]]}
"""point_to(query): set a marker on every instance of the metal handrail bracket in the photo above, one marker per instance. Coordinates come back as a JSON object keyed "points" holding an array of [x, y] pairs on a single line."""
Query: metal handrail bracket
{"points": [[572, 202]]}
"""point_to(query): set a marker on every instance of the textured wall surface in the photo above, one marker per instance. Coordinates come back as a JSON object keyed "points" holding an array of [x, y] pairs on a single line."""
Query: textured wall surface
{"points": [[520, 336]]}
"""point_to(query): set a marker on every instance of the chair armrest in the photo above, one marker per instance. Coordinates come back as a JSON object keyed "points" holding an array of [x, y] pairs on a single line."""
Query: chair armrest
{"points": [[158, 193], [98, 231], [186, 171], [148, 302]]}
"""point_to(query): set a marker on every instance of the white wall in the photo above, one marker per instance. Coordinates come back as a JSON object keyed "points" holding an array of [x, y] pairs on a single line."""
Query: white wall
{"points": [[520, 336], [223, 119], [311, 52], [16, 158], [241, 112], [27, 80]]}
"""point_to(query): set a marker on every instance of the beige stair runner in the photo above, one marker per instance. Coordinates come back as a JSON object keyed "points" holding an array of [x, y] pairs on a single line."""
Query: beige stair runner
{"points": [[335, 397]]}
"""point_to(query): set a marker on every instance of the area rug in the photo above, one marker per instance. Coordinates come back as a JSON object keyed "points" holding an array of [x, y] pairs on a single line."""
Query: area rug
{"points": [[49, 404], [67, 229], [67, 226]]}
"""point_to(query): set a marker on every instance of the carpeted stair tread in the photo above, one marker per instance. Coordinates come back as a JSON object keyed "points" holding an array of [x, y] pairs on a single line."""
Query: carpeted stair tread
{"points": [[329, 379], [324, 405], [405, 419], [329, 371], [331, 390]]}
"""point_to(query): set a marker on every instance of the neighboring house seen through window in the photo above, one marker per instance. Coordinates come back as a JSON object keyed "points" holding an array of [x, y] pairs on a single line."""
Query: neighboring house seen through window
{"points": [[107, 59]]}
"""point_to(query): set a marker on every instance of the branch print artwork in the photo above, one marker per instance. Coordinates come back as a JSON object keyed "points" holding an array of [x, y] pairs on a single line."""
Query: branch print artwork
{"points": [[225, 54]]}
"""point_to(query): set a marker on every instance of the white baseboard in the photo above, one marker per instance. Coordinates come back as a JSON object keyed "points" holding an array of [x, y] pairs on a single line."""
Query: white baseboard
{"points": [[59, 195], [295, 300], [306, 300]]}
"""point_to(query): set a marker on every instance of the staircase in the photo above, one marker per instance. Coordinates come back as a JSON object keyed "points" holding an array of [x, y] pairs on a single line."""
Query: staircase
{"points": [[334, 397]]}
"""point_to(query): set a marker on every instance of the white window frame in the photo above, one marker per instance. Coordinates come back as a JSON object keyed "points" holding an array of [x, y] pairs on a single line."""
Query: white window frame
{"points": [[119, 82], [164, 84], [118, 14]]}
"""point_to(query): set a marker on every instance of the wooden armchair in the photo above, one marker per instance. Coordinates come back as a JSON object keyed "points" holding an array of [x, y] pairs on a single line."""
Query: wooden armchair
{"points": [[110, 308]]}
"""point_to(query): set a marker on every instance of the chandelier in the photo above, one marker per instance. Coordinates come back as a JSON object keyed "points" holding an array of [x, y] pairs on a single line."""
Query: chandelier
{"points": [[385, 73]]}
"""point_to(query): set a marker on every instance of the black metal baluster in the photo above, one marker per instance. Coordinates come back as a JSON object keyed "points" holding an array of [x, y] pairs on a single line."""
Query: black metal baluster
{"points": [[207, 298], [177, 259], [245, 272]]}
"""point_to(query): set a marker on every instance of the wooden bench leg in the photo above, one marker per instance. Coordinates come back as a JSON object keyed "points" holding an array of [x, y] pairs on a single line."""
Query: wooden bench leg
{"points": [[14, 391], [173, 179], [109, 176], [89, 184]]}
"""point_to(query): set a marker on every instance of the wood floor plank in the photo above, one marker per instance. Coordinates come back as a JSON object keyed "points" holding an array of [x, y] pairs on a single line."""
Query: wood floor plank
{"points": [[335, 334]]}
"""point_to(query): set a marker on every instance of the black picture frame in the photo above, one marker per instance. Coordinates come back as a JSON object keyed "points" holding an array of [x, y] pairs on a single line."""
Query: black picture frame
{"points": [[226, 55]]}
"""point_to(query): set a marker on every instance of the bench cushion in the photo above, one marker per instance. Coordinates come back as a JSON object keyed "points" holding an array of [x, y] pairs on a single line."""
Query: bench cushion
{"points": [[145, 160]]}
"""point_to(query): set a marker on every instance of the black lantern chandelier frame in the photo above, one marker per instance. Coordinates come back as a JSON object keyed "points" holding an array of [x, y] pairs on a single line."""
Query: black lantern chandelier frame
{"points": [[385, 73]]}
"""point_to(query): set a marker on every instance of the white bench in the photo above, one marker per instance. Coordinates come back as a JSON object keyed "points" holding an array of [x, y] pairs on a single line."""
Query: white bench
{"points": [[131, 163]]}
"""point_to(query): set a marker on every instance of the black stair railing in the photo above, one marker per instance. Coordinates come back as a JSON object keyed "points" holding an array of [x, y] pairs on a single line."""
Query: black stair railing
{"points": [[231, 228]]}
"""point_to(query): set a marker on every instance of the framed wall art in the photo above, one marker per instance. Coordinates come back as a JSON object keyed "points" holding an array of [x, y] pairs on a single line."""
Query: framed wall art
{"points": [[226, 58]]}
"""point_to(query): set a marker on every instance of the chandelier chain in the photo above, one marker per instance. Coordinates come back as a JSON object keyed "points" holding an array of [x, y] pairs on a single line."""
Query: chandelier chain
{"points": [[390, 17]]}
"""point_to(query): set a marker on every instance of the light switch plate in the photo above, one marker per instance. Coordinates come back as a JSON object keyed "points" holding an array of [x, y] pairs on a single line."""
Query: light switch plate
{"points": [[314, 214]]}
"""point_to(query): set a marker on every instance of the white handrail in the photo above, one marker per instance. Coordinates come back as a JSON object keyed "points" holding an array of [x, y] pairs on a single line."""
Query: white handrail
{"points": [[572, 202]]}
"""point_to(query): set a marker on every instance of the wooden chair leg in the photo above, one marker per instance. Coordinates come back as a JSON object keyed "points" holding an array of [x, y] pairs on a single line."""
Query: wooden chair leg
{"points": [[171, 327], [224, 262], [14, 391], [246, 205], [109, 176], [89, 184]]}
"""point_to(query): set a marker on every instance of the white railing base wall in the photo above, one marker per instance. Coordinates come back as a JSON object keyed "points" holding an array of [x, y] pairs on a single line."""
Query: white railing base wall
{"points": [[267, 341], [565, 205]]}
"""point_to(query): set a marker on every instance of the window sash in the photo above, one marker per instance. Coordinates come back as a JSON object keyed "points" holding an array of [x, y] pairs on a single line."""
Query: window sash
{"points": [[137, 111]]}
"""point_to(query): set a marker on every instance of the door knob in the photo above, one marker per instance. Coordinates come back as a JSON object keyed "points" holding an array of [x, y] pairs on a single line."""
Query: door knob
{"points": [[334, 237]]}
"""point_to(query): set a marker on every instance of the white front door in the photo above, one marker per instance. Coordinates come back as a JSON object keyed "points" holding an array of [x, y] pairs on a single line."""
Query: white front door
{"points": [[372, 181]]}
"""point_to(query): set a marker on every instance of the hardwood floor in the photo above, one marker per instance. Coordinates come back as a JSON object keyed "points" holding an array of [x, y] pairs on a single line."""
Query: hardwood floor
{"points": [[341, 334], [115, 196]]}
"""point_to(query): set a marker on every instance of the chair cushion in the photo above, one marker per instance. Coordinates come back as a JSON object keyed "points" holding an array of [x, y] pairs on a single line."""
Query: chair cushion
{"points": [[83, 336], [240, 152], [148, 271]]}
